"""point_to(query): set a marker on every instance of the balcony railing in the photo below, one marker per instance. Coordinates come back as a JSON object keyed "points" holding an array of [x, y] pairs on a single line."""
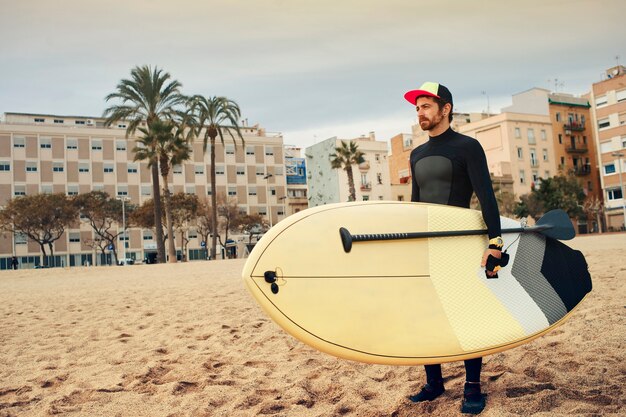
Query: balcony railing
{"points": [[574, 126], [582, 170], [577, 149], [366, 187]]}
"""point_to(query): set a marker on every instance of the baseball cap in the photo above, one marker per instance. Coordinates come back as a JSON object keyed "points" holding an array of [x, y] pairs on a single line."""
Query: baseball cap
{"points": [[429, 89]]}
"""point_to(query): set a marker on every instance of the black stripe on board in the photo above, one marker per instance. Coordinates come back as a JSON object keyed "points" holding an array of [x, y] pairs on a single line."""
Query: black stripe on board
{"points": [[567, 271]]}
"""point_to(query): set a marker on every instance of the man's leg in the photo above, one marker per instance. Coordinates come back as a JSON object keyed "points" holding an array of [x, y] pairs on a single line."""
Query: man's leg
{"points": [[473, 399], [434, 385]]}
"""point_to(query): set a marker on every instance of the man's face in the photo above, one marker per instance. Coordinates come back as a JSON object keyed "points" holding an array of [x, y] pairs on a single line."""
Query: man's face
{"points": [[428, 112]]}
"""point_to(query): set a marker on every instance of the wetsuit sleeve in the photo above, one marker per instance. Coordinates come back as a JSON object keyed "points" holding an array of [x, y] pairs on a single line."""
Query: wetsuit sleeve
{"points": [[481, 182], [415, 189]]}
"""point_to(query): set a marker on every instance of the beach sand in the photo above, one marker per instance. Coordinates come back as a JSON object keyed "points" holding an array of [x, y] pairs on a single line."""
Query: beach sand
{"points": [[188, 340]]}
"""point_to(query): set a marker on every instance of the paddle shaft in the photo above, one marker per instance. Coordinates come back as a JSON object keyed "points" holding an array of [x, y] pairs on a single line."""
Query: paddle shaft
{"points": [[347, 238]]}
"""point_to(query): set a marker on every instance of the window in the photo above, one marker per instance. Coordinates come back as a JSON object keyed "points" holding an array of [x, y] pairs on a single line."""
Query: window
{"points": [[272, 191], [535, 176], [57, 167], [124, 236], [379, 178], [609, 168], [5, 166], [546, 174], [251, 190], [545, 154], [522, 177], [147, 235], [377, 157], [241, 170], [72, 190], [71, 144], [192, 234], [108, 168], [96, 144], [533, 158], [621, 118], [562, 162], [604, 123], [269, 151], [366, 198], [589, 186], [407, 142], [83, 167], [122, 190], [278, 170], [260, 171], [209, 191], [31, 166], [219, 169], [249, 150], [146, 190], [190, 190], [620, 95], [19, 141], [21, 239], [39, 120], [79, 122], [122, 126], [19, 190], [520, 153], [45, 143], [46, 189], [543, 135], [623, 141], [58, 121], [606, 147], [531, 136], [614, 194], [558, 117], [560, 138], [230, 150], [120, 145], [198, 169], [232, 191], [177, 169], [601, 101], [518, 133], [74, 237], [132, 168]]}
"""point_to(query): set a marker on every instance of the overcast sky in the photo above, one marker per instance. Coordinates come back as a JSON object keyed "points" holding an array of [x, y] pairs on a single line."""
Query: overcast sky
{"points": [[310, 69]]}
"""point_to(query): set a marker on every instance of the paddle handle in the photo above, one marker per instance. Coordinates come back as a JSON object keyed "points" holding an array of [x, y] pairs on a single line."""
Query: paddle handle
{"points": [[347, 238]]}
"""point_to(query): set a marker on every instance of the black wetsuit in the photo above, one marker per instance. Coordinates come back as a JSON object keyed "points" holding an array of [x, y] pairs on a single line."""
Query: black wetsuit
{"points": [[447, 170]]}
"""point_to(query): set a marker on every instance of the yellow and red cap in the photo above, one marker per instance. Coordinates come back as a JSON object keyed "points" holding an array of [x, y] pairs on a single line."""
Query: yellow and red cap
{"points": [[429, 89]]}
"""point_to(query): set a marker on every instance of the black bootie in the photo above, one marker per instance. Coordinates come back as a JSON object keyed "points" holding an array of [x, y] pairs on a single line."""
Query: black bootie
{"points": [[433, 389], [473, 399]]}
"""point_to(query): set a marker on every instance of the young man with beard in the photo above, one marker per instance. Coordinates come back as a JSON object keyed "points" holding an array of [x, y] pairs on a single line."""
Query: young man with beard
{"points": [[447, 170]]}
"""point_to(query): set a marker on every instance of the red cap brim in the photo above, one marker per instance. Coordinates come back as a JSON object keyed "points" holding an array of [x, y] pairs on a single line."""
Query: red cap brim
{"points": [[411, 96]]}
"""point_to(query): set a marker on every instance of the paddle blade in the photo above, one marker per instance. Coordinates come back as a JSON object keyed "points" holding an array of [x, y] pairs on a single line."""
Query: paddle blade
{"points": [[560, 225]]}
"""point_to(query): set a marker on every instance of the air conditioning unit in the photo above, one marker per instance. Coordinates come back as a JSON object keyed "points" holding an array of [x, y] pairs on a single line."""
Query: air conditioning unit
{"points": [[89, 122]]}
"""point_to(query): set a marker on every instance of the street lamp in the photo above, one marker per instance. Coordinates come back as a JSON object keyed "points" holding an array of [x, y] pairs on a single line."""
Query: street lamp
{"points": [[283, 199], [267, 194], [123, 199], [619, 156]]}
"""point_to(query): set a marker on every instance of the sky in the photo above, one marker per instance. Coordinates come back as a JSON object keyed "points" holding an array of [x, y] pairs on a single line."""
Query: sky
{"points": [[309, 69]]}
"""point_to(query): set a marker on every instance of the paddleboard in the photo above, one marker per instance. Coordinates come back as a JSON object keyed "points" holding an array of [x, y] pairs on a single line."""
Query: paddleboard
{"points": [[415, 301]]}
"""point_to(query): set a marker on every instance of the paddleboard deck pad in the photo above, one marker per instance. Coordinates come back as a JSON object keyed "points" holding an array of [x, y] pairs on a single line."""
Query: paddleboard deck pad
{"points": [[415, 301]]}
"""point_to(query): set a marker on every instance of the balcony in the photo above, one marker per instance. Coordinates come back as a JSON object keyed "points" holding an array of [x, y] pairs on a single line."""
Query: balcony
{"points": [[366, 187], [582, 170], [577, 149], [364, 166], [573, 126]]}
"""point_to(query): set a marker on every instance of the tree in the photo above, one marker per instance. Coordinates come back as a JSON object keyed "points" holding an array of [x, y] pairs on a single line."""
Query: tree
{"points": [[166, 143], [204, 220], [346, 155], [228, 210], [184, 212], [146, 98], [143, 216], [529, 205], [43, 218], [558, 192], [252, 225], [104, 215], [594, 208], [217, 116]]}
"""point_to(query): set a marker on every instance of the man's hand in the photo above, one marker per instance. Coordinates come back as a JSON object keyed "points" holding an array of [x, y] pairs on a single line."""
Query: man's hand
{"points": [[496, 254]]}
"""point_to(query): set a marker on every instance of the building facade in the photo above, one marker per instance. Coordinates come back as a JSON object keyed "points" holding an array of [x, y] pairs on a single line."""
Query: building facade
{"points": [[608, 108], [73, 155], [295, 172], [327, 185]]}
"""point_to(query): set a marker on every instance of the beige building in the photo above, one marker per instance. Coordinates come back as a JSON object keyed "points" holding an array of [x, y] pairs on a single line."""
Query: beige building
{"points": [[327, 185], [72, 155], [516, 145], [608, 108]]}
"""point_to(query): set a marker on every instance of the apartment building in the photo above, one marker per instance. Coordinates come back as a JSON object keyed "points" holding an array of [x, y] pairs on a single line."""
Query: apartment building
{"points": [[295, 172], [517, 146], [327, 185], [72, 155], [608, 109]]}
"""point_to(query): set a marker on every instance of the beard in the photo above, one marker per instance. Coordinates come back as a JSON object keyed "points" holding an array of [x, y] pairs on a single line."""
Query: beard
{"points": [[428, 124]]}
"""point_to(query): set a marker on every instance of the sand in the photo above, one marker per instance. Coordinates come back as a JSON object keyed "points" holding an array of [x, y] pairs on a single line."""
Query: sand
{"points": [[188, 340]]}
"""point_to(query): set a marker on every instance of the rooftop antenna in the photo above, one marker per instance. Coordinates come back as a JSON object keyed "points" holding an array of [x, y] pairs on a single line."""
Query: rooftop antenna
{"points": [[557, 84], [484, 93], [617, 60]]}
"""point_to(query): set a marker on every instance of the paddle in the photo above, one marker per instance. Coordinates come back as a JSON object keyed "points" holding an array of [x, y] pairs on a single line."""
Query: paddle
{"points": [[554, 224]]}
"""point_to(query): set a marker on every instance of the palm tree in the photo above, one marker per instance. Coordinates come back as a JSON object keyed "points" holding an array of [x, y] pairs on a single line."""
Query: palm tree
{"points": [[148, 96], [167, 144], [217, 115], [345, 156]]}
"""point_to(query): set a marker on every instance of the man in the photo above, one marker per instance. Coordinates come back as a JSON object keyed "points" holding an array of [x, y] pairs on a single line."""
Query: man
{"points": [[447, 170]]}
